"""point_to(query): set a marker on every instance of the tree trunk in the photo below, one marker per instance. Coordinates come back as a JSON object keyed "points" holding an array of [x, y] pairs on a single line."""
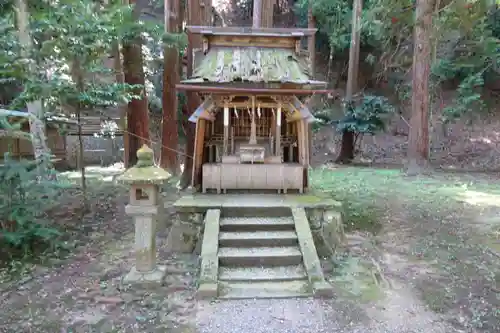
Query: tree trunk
{"points": [[170, 136], [77, 75], [197, 15], [119, 77], [418, 138], [311, 47], [346, 154], [137, 110], [35, 108]]}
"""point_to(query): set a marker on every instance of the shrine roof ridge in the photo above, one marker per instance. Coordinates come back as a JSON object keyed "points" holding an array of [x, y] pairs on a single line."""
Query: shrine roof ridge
{"points": [[249, 31]]}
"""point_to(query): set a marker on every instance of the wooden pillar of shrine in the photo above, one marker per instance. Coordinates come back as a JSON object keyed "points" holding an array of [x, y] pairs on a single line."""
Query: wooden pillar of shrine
{"points": [[226, 127], [278, 131]]}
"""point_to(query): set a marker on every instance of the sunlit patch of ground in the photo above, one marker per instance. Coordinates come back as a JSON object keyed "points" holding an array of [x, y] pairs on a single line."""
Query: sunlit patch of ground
{"points": [[443, 228], [95, 173]]}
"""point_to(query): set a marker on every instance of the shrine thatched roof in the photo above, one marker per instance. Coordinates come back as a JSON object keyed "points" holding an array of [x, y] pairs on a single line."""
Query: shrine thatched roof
{"points": [[254, 65]]}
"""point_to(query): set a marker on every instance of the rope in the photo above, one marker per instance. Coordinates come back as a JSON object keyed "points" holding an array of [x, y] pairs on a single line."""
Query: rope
{"points": [[159, 143]]}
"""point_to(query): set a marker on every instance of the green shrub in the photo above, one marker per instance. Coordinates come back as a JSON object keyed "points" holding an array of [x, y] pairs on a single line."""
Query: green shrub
{"points": [[25, 197]]}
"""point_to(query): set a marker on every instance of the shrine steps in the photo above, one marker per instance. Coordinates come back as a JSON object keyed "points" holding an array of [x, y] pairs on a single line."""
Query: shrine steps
{"points": [[259, 254]]}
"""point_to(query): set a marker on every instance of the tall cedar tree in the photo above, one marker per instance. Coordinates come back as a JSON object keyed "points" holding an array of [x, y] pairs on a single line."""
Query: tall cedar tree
{"points": [[346, 154], [170, 136], [137, 110], [198, 13], [418, 138]]}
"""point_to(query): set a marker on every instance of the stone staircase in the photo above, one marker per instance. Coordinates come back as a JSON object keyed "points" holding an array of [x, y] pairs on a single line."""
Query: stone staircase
{"points": [[259, 254]]}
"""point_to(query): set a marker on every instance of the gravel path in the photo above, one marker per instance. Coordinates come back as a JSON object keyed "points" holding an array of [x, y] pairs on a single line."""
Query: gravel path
{"points": [[399, 312]]}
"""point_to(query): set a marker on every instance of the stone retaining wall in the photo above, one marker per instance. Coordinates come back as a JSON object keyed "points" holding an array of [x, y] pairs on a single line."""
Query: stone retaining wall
{"points": [[325, 221]]}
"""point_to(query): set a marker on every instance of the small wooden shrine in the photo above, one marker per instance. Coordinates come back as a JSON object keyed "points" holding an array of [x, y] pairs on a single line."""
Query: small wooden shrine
{"points": [[252, 129]]}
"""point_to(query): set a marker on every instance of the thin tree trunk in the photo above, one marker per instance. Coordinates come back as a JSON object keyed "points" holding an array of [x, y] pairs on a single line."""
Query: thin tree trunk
{"points": [[119, 77], [418, 138], [346, 154], [170, 136], [311, 48], [35, 108], [137, 110], [79, 80]]}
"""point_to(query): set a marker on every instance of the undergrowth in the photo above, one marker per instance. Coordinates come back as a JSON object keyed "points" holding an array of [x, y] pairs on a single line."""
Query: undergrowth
{"points": [[27, 236]]}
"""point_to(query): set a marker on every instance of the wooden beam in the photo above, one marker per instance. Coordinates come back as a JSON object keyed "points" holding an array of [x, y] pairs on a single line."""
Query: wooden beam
{"points": [[201, 111], [263, 91], [249, 41], [203, 30], [198, 151]]}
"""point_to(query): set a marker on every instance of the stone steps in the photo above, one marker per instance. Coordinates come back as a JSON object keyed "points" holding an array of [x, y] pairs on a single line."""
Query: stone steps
{"points": [[258, 238], [259, 257], [264, 256], [262, 274], [257, 223], [276, 289]]}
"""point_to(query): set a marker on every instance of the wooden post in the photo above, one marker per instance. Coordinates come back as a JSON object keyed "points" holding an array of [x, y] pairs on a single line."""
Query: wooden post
{"points": [[198, 150], [305, 127], [253, 135], [232, 140], [278, 131], [226, 127], [267, 13], [257, 14]]}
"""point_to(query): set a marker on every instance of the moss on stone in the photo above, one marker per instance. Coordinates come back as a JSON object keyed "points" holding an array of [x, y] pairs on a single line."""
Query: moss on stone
{"points": [[144, 172]]}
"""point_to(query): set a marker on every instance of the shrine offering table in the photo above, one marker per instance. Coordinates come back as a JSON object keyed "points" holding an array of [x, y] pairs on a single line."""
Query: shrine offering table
{"points": [[236, 176]]}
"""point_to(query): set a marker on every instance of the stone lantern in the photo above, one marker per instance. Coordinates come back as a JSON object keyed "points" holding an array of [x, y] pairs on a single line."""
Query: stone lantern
{"points": [[144, 207]]}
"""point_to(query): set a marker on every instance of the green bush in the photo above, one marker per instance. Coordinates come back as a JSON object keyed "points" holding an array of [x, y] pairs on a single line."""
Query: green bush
{"points": [[25, 197]]}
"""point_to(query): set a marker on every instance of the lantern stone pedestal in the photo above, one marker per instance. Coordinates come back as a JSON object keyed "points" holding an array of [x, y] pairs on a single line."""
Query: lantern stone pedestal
{"points": [[145, 180]]}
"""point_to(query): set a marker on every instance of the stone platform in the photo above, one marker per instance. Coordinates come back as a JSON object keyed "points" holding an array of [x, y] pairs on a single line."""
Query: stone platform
{"points": [[324, 215], [200, 203], [258, 245]]}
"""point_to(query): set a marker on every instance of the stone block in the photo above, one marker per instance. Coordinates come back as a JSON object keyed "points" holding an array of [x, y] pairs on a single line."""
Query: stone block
{"points": [[208, 290], [327, 229], [315, 217], [209, 269], [183, 237], [199, 243], [323, 247], [191, 218], [333, 229], [322, 289], [153, 277]]}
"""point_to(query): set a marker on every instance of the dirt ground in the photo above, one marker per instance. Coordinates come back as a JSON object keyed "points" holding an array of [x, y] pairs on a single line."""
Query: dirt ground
{"points": [[422, 256]]}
